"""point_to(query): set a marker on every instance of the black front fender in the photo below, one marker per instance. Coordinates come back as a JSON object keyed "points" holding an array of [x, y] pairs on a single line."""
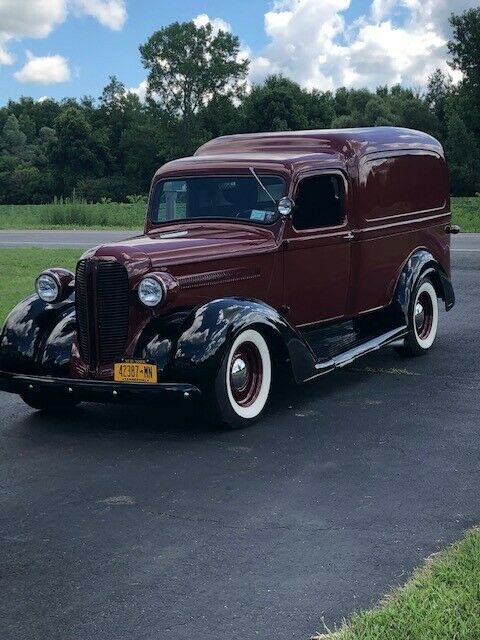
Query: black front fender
{"points": [[188, 346], [37, 337]]}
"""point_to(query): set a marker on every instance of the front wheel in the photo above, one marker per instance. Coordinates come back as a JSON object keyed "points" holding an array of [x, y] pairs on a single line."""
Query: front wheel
{"points": [[422, 319], [243, 382]]}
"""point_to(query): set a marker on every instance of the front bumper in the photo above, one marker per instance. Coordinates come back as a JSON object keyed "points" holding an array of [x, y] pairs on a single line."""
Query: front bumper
{"points": [[95, 390]]}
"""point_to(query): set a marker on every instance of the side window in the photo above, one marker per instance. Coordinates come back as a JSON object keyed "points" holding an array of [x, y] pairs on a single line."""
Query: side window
{"points": [[320, 202]]}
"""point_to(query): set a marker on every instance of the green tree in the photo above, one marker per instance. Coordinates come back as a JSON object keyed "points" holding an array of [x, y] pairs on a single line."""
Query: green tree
{"points": [[219, 117], [464, 46], [280, 104], [188, 65], [27, 126], [463, 156], [378, 112], [13, 141], [113, 95], [80, 150], [438, 89]]}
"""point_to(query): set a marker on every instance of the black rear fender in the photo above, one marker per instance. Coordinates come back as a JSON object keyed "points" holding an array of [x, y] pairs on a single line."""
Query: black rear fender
{"points": [[420, 264]]}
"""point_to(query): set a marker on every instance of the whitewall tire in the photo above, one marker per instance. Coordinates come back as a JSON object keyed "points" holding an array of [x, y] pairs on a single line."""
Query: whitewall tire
{"points": [[243, 383], [423, 319]]}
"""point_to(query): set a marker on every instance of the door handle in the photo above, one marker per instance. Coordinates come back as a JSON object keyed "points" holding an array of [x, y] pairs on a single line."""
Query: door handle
{"points": [[349, 236]]}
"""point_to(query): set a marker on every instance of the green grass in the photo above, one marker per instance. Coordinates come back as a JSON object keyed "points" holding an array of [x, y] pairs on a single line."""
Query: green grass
{"points": [[440, 602], [20, 267], [466, 213], [75, 215], [79, 215]]}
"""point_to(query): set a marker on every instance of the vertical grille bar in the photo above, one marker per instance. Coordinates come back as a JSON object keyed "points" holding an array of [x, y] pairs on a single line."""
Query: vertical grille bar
{"points": [[102, 303], [82, 304]]}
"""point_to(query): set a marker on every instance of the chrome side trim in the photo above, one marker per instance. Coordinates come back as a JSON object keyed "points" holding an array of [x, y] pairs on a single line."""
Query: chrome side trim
{"points": [[401, 224], [410, 213]]}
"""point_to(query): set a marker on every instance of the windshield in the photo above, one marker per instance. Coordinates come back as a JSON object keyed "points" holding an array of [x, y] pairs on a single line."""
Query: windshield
{"points": [[228, 198]]}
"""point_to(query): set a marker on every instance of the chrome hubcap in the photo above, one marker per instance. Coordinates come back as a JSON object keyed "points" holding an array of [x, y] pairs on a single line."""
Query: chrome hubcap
{"points": [[239, 374], [246, 374], [424, 315], [419, 315]]}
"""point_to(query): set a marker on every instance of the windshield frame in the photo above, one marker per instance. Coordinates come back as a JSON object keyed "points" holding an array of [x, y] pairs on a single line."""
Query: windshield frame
{"points": [[170, 178]]}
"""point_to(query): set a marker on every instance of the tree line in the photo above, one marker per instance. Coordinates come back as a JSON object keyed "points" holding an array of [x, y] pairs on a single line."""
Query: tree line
{"points": [[108, 148]]}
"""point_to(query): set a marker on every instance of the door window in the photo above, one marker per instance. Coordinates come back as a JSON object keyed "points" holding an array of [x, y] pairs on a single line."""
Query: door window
{"points": [[319, 202]]}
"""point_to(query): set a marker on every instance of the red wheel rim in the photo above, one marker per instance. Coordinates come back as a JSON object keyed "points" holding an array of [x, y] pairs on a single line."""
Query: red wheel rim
{"points": [[246, 374], [423, 315]]}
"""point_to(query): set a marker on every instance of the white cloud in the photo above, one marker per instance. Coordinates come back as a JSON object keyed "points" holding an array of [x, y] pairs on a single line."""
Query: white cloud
{"points": [[311, 42], [44, 70], [110, 13], [140, 91], [37, 18], [5, 56], [217, 23]]}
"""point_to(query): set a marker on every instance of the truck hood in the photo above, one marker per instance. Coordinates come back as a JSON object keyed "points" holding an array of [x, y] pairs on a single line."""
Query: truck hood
{"points": [[180, 244]]}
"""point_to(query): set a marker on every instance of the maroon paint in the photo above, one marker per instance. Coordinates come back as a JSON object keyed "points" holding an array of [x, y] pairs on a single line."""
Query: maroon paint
{"points": [[311, 276]]}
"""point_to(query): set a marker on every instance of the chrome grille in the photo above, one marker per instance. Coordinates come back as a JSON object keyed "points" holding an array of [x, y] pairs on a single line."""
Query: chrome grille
{"points": [[82, 306], [102, 297]]}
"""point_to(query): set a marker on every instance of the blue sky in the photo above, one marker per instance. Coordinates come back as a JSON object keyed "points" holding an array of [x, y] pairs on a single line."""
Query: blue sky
{"points": [[63, 48]]}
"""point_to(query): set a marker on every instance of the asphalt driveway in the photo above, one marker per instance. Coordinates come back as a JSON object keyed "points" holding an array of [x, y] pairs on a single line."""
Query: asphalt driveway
{"points": [[126, 523]]}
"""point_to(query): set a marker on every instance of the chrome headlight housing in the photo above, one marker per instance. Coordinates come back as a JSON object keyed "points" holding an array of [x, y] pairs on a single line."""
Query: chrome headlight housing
{"points": [[55, 285], [47, 288], [151, 291]]}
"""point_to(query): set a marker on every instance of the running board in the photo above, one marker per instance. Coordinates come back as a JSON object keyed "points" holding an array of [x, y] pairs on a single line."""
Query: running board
{"points": [[343, 359]]}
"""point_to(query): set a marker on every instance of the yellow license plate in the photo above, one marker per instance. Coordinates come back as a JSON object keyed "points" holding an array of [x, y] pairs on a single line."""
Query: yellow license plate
{"points": [[135, 371]]}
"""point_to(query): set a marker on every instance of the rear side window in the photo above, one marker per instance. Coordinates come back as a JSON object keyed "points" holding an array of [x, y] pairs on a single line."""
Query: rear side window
{"points": [[399, 185], [319, 202]]}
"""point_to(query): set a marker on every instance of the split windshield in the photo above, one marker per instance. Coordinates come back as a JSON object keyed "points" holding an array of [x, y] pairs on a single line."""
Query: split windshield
{"points": [[227, 198]]}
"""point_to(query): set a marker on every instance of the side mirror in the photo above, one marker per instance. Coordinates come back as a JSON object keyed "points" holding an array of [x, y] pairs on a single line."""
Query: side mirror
{"points": [[285, 207]]}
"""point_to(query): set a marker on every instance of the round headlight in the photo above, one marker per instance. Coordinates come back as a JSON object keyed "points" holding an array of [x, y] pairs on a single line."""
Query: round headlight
{"points": [[151, 292], [47, 288]]}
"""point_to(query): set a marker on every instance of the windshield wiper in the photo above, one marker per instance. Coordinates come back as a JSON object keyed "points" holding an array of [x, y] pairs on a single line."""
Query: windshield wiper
{"points": [[254, 174]]}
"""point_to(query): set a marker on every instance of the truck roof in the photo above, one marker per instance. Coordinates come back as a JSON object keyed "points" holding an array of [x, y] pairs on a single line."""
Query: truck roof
{"points": [[342, 141], [298, 149]]}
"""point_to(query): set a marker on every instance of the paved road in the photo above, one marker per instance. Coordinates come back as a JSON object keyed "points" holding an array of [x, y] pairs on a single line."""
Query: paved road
{"points": [[62, 239], [467, 242], [125, 524]]}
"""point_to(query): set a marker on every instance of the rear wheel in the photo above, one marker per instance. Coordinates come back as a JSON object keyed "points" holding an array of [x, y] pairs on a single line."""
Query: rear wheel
{"points": [[243, 382], [422, 319], [48, 402]]}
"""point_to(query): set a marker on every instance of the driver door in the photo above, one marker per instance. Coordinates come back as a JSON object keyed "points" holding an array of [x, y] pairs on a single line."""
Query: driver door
{"points": [[317, 251]]}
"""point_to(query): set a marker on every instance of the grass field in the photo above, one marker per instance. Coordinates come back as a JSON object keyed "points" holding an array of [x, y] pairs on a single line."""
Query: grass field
{"points": [[20, 267], [77, 215], [466, 213], [440, 602]]}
